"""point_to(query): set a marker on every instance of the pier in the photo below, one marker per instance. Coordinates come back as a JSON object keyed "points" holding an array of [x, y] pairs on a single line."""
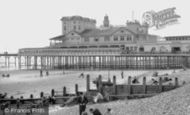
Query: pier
{"points": [[8, 59], [95, 59]]}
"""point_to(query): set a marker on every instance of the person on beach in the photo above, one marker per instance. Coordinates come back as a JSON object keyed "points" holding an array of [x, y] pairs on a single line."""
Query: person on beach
{"points": [[2, 96], [81, 75], [47, 73], [95, 111], [41, 73], [82, 100], [84, 113], [108, 112], [122, 75]]}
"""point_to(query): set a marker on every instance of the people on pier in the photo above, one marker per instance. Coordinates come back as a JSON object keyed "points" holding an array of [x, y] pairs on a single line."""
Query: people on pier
{"points": [[82, 100]]}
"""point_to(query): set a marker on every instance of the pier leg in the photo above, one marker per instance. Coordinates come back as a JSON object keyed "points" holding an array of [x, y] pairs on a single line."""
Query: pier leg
{"points": [[19, 62], [35, 62]]}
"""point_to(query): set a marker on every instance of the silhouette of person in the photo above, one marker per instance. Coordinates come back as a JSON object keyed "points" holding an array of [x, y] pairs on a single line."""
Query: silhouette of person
{"points": [[82, 100]]}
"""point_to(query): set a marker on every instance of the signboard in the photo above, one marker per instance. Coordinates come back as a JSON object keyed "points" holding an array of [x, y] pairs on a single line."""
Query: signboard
{"points": [[160, 19]]}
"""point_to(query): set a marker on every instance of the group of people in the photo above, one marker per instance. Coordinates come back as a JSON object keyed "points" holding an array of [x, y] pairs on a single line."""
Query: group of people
{"points": [[82, 101], [6, 75], [41, 73]]}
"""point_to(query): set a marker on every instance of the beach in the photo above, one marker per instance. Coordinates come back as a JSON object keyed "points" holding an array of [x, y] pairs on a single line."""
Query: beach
{"points": [[25, 82]]}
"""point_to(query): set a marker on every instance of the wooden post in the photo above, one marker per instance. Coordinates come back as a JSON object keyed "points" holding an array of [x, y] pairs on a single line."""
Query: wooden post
{"points": [[52, 92], [129, 85], [12, 97], [144, 85], [114, 85], [87, 83], [100, 83], [41, 94], [21, 97], [31, 96], [64, 91], [176, 82], [76, 89], [160, 84]]}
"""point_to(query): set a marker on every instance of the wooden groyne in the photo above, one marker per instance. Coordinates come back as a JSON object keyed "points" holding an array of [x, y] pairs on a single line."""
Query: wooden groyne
{"points": [[109, 89]]}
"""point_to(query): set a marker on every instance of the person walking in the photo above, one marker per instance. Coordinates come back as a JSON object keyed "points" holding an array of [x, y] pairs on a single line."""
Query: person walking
{"points": [[82, 100]]}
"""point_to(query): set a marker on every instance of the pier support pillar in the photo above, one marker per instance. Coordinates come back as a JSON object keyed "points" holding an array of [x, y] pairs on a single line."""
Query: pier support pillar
{"points": [[19, 62], [35, 62]]}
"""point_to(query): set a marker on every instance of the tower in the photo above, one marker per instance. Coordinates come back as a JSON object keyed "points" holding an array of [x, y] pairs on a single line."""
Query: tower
{"points": [[106, 21]]}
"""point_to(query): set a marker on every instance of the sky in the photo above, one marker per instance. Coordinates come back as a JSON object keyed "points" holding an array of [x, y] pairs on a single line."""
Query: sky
{"points": [[31, 23]]}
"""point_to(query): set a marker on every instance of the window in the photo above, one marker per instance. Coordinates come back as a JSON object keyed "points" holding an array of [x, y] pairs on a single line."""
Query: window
{"points": [[78, 27], [129, 38], [96, 39], [65, 28], [86, 39], [115, 38], [106, 38], [74, 27], [122, 38]]}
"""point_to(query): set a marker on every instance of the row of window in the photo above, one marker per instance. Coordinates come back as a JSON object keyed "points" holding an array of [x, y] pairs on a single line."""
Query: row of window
{"points": [[178, 38], [74, 27], [116, 38], [123, 38]]}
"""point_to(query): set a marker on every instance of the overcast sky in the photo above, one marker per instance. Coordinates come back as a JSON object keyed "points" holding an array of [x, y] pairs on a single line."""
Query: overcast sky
{"points": [[30, 23]]}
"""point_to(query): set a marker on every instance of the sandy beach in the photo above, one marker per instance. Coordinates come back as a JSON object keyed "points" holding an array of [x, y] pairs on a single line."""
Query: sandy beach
{"points": [[174, 102], [24, 83]]}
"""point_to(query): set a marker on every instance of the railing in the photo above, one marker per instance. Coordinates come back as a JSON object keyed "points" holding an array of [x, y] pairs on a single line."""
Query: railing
{"points": [[90, 51]]}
